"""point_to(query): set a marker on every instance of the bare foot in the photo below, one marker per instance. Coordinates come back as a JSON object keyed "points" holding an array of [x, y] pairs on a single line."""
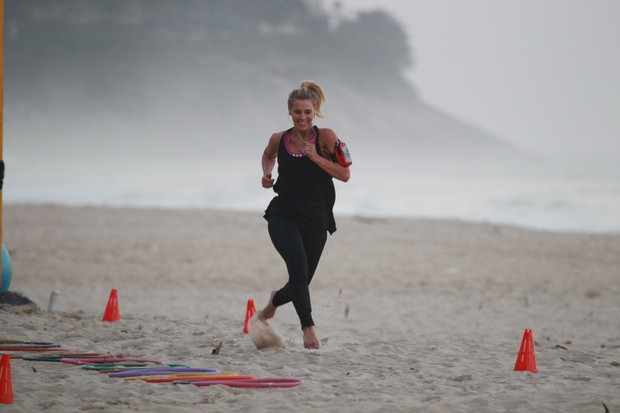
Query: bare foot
{"points": [[270, 310], [310, 340]]}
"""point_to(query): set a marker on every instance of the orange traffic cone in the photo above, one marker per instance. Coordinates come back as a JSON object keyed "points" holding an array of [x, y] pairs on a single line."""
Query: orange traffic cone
{"points": [[249, 312], [112, 313], [526, 361], [6, 385]]}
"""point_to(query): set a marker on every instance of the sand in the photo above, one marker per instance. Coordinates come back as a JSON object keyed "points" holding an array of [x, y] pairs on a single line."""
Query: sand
{"points": [[413, 315]]}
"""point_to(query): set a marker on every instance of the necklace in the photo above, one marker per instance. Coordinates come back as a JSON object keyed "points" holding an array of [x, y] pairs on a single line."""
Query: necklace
{"points": [[302, 139], [288, 143]]}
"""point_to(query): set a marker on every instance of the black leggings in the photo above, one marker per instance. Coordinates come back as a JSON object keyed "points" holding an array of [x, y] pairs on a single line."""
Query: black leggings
{"points": [[301, 252]]}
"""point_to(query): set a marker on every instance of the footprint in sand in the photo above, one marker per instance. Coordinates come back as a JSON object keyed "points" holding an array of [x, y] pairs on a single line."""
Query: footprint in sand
{"points": [[262, 334]]}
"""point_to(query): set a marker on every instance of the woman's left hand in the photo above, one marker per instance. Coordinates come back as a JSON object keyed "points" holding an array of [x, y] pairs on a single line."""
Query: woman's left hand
{"points": [[334, 169], [310, 151]]}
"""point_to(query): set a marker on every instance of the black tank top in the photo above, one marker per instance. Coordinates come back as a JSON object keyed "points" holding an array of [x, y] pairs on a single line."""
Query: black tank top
{"points": [[306, 193]]}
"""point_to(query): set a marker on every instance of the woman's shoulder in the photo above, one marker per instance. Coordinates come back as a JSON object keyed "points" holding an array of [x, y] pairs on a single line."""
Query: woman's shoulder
{"points": [[326, 130], [280, 134], [276, 136], [327, 136]]}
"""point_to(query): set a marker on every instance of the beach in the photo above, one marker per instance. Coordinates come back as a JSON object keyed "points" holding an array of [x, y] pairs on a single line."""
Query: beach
{"points": [[414, 315]]}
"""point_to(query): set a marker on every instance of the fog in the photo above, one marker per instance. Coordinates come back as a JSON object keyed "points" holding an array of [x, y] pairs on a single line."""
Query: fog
{"points": [[155, 103], [543, 75], [149, 80]]}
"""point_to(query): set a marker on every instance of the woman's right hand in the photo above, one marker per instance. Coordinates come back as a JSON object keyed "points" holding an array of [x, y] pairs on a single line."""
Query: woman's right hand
{"points": [[268, 181]]}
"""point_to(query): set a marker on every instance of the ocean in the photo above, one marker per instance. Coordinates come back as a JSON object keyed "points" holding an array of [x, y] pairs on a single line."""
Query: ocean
{"points": [[551, 196]]}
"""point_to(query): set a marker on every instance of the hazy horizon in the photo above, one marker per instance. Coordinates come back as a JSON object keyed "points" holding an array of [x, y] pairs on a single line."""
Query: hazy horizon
{"points": [[543, 75], [161, 112]]}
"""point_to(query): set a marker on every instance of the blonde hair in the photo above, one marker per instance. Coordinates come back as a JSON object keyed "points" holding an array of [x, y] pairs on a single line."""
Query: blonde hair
{"points": [[311, 91]]}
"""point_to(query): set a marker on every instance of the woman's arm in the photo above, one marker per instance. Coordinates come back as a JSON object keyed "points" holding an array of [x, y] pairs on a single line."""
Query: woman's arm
{"points": [[328, 141], [268, 161]]}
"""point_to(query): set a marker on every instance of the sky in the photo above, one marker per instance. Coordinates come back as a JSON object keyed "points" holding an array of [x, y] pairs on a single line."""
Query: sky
{"points": [[542, 74]]}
